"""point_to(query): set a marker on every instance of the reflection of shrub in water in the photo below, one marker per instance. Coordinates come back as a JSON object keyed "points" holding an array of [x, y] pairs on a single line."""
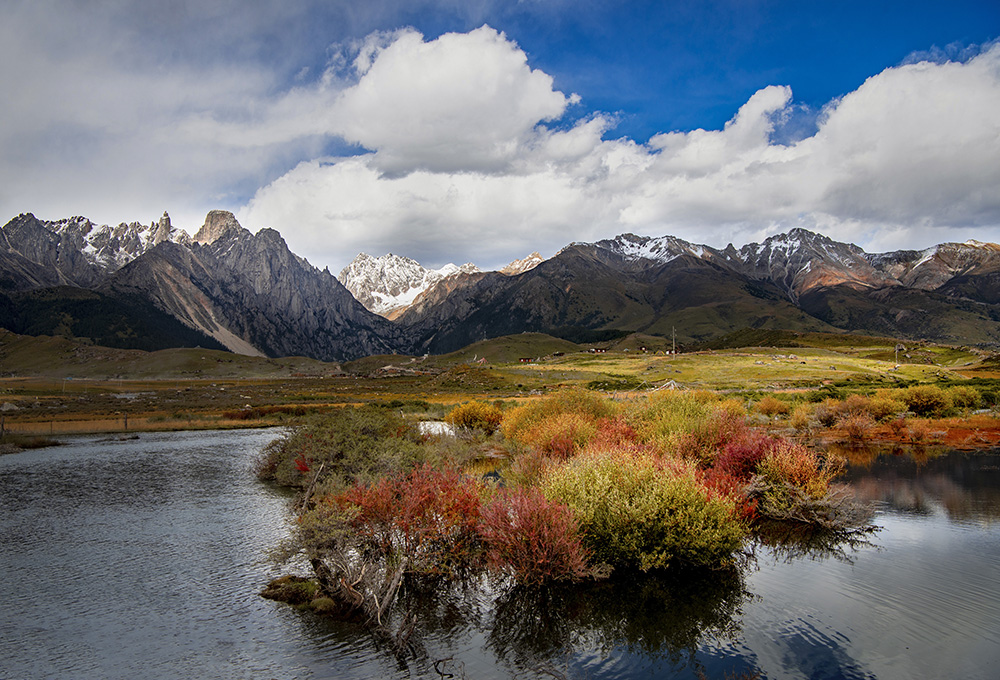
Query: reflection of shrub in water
{"points": [[796, 541], [657, 614]]}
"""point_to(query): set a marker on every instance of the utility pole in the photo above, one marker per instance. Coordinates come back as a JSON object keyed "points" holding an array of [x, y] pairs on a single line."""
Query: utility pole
{"points": [[673, 339]]}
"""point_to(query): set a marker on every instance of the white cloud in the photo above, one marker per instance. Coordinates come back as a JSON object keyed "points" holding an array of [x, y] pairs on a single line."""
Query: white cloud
{"points": [[467, 151], [460, 102], [909, 159]]}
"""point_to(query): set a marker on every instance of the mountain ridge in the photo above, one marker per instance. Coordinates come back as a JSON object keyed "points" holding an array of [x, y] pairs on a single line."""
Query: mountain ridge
{"points": [[250, 293]]}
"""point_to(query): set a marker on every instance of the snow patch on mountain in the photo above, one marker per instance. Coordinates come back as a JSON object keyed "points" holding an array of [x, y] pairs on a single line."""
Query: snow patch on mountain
{"points": [[661, 249], [391, 282]]}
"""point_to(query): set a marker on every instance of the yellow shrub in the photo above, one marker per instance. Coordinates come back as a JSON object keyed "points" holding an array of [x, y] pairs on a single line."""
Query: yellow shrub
{"points": [[476, 415], [772, 406]]}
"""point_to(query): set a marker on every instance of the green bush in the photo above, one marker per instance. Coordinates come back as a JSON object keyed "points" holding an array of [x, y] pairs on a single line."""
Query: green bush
{"points": [[351, 444], [636, 513], [963, 396], [883, 407]]}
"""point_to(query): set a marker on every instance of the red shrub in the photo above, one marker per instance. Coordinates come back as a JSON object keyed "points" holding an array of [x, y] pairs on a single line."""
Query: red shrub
{"points": [[709, 437], [743, 452], [428, 517], [537, 539], [614, 432], [722, 483]]}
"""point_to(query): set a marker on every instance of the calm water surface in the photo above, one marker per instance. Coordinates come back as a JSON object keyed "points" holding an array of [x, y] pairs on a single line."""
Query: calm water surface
{"points": [[144, 558]]}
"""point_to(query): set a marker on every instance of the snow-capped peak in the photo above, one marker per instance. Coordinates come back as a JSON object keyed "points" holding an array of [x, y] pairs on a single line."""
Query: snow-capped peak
{"points": [[390, 282], [111, 248], [657, 249]]}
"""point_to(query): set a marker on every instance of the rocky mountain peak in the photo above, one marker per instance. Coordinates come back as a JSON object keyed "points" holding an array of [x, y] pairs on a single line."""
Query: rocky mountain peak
{"points": [[523, 265], [218, 223]]}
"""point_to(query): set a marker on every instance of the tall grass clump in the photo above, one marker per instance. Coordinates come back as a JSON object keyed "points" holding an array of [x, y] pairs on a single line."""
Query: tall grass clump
{"points": [[637, 512]]}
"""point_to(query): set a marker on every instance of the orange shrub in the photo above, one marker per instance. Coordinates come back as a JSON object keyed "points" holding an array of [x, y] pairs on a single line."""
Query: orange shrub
{"points": [[561, 422], [795, 465]]}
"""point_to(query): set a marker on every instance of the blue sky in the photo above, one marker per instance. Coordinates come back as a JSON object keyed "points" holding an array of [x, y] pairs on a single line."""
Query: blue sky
{"points": [[481, 130]]}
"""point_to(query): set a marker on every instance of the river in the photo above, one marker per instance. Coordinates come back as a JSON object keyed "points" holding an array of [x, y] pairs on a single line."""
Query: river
{"points": [[145, 557]]}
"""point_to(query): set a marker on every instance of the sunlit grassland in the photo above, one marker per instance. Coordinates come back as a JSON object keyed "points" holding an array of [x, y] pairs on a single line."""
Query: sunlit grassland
{"points": [[749, 368], [47, 381]]}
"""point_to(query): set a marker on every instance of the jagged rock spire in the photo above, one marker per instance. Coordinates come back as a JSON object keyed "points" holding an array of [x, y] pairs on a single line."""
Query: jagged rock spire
{"points": [[217, 224]]}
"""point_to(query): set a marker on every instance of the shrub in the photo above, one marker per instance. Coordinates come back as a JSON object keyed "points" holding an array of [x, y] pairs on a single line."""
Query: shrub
{"points": [[857, 426], [428, 518], [801, 416], [772, 406], [533, 537], [662, 418], [827, 412], [476, 415], [528, 468], [634, 512], [926, 400], [918, 430], [964, 396], [709, 436], [744, 451], [351, 445], [789, 464], [853, 405], [898, 426], [522, 424], [614, 432], [734, 406], [884, 407]]}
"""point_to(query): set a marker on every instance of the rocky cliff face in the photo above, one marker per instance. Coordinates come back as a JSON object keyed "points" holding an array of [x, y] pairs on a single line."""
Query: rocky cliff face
{"points": [[246, 291], [253, 295], [82, 253]]}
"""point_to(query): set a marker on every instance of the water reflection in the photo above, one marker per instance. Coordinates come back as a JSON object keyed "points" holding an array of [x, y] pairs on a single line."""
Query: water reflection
{"points": [[145, 559], [963, 486], [658, 615]]}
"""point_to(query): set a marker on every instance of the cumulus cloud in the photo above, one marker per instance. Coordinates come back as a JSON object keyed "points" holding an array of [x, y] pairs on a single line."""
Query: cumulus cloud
{"points": [[458, 103], [910, 158]]}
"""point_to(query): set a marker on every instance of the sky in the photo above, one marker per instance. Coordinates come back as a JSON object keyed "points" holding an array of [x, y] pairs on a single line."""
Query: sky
{"points": [[482, 130]]}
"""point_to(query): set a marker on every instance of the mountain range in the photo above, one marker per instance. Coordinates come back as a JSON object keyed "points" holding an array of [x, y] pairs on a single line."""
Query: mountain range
{"points": [[153, 286]]}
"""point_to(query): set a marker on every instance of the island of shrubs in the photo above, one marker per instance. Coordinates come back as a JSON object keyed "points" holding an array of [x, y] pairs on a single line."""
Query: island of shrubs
{"points": [[567, 487]]}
